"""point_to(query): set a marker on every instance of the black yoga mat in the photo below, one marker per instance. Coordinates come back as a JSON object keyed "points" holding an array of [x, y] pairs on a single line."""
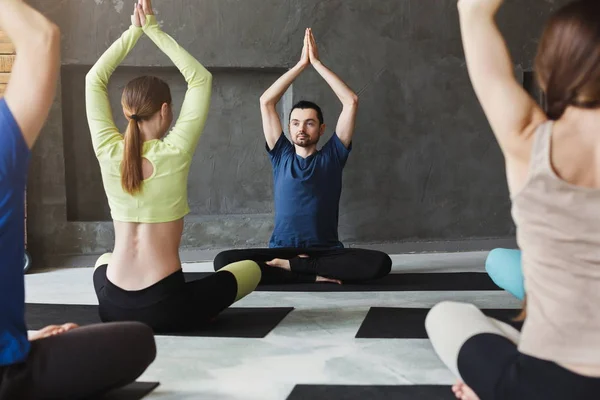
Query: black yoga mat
{"points": [[378, 392], [457, 281], [133, 391], [409, 323], [233, 322]]}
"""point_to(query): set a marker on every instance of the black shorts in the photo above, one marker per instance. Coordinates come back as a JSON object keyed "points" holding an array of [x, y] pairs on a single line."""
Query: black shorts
{"points": [[172, 304]]}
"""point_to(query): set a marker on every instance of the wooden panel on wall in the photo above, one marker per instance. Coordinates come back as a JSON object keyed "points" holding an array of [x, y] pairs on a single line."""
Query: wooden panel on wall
{"points": [[6, 60], [6, 63], [6, 47]]}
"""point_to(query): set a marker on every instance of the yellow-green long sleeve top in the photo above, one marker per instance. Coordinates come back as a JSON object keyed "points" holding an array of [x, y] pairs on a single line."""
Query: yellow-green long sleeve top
{"points": [[163, 197]]}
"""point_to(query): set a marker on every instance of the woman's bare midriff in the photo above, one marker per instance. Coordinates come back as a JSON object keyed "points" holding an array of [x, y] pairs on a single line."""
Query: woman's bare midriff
{"points": [[144, 253]]}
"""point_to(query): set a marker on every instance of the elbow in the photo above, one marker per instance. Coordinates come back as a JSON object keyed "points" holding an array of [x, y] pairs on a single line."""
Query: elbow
{"points": [[204, 80], [352, 101], [265, 101], [48, 37], [44, 45], [41, 40], [90, 78], [202, 72], [200, 77], [53, 34]]}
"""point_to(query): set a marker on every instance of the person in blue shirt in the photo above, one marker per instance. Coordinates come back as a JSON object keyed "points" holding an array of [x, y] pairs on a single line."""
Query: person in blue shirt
{"points": [[304, 246], [59, 361]]}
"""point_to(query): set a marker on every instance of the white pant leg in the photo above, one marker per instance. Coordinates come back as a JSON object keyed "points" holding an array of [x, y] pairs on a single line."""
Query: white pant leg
{"points": [[450, 324]]}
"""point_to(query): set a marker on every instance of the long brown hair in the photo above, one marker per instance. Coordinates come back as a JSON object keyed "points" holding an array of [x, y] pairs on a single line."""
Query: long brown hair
{"points": [[142, 98], [568, 59]]}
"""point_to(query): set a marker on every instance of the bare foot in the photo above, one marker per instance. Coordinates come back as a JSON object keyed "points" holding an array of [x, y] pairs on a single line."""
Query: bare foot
{"points": [[320, 279], [463, 392], [280, 263], [52, 330], [285, 264]]}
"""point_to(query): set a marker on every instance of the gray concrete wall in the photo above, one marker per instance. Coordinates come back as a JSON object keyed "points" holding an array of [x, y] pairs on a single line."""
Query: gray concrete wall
{"points": [[425, 165]]}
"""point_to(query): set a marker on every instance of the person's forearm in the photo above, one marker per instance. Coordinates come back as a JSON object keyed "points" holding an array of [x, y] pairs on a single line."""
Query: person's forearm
{"points": [[98, 110], [276, 91], [196, 104], [103, 69], [25, 26], [510, 110], [194, 73], [341, 90], [486, 52]]}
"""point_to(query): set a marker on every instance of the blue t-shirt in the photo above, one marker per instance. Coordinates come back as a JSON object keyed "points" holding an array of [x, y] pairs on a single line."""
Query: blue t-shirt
{"points": [[307, 194], [14, 160]]}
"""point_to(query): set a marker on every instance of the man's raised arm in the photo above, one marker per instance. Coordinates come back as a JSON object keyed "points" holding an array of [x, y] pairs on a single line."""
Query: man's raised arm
{"points": [[268, 101], [349, 99]]}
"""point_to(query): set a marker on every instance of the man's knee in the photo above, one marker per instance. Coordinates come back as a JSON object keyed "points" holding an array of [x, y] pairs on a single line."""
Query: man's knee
{"points": [[382, 264], [385, 265]]}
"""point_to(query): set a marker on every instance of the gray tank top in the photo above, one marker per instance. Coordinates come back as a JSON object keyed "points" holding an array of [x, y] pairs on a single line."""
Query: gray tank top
{"points": [[558, 230]]}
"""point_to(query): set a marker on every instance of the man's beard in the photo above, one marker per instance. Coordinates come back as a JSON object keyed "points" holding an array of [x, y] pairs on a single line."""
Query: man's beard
{"points": [[307, 142]]}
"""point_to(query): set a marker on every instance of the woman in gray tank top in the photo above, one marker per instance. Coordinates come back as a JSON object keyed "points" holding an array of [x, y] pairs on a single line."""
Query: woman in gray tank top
{"points": [[553, 171]]}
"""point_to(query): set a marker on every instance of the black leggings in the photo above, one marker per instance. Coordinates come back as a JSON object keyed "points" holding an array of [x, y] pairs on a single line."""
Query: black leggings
{"points": [[82, 363], [493, 367], [347, 265], [171, 304], [483, 352]]}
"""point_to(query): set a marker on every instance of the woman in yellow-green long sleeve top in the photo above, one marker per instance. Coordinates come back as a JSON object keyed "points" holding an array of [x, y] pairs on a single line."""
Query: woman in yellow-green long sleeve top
{"points": [[145, 172]]}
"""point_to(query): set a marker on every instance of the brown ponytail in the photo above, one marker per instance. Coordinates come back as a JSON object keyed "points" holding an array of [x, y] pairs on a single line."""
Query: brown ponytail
{"points": [[142, 98], [568, 59], [131, 167]]}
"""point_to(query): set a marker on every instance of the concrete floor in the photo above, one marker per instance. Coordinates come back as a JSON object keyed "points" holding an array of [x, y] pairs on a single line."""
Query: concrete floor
{"points": [[314, 344]]}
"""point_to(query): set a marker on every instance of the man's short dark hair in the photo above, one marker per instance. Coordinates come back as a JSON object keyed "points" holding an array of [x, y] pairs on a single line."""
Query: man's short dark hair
{"points": [[303, 105]]}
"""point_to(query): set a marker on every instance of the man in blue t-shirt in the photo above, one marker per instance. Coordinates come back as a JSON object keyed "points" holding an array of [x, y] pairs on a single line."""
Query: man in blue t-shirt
{"points": [[304, 246], [58, 361]]}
